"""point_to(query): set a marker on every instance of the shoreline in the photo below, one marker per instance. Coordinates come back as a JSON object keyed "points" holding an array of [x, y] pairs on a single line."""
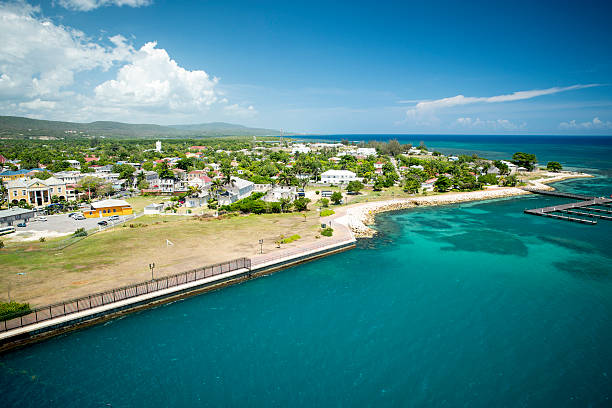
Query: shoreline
{"points": [[359, 217]]}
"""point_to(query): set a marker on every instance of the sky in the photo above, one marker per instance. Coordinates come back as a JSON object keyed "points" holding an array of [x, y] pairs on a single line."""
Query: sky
{"points": [[456, 67]]}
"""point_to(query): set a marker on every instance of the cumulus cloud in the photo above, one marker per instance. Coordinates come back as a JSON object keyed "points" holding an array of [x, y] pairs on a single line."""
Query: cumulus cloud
{"points": [[427, 108], [499, 124], [39, 58], [596, 123], [155, 81], [87, 5]]}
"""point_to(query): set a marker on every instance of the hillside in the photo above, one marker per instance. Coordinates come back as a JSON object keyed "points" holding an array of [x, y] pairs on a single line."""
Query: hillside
{"points": [[21, 128]]}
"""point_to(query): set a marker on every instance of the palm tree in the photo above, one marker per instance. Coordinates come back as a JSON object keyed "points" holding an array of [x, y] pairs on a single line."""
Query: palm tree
{"points": [[285, 178]]}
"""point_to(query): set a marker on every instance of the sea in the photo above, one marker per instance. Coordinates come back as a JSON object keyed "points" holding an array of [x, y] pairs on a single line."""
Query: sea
{"points": [[468, 305]]}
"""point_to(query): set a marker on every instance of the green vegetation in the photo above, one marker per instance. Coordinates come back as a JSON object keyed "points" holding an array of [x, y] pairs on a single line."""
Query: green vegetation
{"points": [[327, 212], [336, 197], [443, 184], [488, 179], [526, 160], [327, 232], [354, 187], [9, 310], [554, 166], [290, 239]]}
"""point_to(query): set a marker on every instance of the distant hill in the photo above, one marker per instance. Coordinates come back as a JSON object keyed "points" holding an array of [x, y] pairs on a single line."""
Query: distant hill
{"points": [[24, 128]]}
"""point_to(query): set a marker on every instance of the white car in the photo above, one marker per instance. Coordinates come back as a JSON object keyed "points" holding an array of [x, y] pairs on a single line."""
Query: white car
{"points": [[40, 218], [78, 217]]}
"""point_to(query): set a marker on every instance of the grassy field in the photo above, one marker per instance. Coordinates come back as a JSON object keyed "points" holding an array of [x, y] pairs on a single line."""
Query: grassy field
{"points": [[40, 275]]}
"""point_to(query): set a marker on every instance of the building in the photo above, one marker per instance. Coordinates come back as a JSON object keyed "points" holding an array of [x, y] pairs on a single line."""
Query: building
{"points": [[236, 190], [36, 192], [14, 215], [75, 164], [106, 208], [199, 178], [10, 175], [366, 151], [278, 192], [153, 208], [338, 176], [428, 185], [69, 177], [300, 148], [158, 146]]}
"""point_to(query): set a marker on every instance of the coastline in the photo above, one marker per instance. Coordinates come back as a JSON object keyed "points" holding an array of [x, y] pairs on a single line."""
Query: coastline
{"points": [[359, 217]]}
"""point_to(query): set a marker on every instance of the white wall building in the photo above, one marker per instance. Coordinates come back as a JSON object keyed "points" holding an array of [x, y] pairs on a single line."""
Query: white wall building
{"points": [[338, 176], [158, 146], [300, 148], [366, 151]]}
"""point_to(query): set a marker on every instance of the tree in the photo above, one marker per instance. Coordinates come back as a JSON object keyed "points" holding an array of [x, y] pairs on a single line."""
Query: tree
{"points": [[336, 197], [412, 184], [285, 204], [91, 184], [488, 179], [184, 164], [324, 202], [510, 181], [503, 167], [526, 160], [164, 171], [379, 183], [354, 186], [443, 184], [42, 175], [554, 166], [125, 171], [301, 204]]}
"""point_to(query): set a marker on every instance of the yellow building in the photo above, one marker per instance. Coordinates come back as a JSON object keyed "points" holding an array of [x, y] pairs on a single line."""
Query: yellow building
{"points": [[8, 176], [107, 208], [36, 192]]}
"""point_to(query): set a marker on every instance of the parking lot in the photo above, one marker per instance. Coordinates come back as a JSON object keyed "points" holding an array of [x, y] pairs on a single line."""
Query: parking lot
{"points": [[61, 224]]}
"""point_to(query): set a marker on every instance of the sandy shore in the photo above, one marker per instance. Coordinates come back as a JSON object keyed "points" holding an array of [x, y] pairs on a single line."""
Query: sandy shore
{"points": [[357, 217]]}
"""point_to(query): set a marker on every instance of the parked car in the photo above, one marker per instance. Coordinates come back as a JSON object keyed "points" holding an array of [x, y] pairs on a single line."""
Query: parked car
{"points": [[72, 214], [40, 218], [113, 218], [78, 217], [22, 224], [103, 223]]}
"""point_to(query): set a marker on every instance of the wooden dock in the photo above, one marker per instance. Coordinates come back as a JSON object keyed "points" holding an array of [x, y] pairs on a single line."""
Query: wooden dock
{"points": [[568, 212]]}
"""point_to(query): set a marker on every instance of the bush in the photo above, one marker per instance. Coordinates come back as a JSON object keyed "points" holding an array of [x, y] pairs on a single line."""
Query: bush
{"points": [[301, 204], [188, 211], [324, 202], [1, 244], [327, 232], [13, 309], [290, 239], [317, 192], [327, 212], [336, 197], [80, 232], [41, 239], [488, 179]]}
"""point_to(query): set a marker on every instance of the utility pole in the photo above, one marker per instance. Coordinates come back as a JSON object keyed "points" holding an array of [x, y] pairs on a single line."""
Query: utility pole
{"points": [[152, 266]]}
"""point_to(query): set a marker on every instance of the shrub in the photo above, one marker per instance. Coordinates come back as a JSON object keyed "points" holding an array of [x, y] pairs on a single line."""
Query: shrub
{"points": [[80, 232], [317, 192], [41, 239], [336, 197], [188, 211], [327, 232], [1, 244], [324, 202], [327, 212], [301, 204], [13, 309], [290, 239]]}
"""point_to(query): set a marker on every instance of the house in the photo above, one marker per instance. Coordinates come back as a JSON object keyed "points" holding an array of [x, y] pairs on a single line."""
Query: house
{"points": [[3, 159], [236, 190], [334, 160], [89, 159], [493, 170], [198, 201], [417, 167], [366, 151], [300, 148], [338, 176], [278, 192], [379, 165], [36, 192], [153, 208], [16, 214], [428, 185], [69, 177], [106, 208], [453, 158], [75, 164], [198, 178], [9, 175]]}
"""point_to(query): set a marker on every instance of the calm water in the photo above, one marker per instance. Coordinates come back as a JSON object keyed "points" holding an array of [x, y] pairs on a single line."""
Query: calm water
{"points": [[465, 305]]}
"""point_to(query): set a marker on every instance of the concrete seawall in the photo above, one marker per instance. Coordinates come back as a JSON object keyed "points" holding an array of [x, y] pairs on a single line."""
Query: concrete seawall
{"points": [[39, 331]]}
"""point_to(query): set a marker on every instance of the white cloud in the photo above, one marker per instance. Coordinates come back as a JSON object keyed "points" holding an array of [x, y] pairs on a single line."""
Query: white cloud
{"points": [[39, 58], [238, 111], [87, 5], [154, 81], [39, 61], [596, 123], [427, 108], [499, 124]]}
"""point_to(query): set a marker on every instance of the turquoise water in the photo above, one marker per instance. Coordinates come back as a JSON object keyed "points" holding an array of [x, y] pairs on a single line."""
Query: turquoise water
{"points": [[464, 305]]}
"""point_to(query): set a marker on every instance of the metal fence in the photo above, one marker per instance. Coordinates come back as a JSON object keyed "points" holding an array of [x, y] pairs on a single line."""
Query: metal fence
{"points": [[116, 295]]}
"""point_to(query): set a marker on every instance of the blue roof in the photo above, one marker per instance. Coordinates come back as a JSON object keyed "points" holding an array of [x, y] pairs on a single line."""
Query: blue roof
{"points": [[14, 173]]}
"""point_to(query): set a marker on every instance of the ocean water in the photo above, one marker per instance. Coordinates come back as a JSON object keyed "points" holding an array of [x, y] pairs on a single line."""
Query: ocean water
{"points": [[471, 305]]}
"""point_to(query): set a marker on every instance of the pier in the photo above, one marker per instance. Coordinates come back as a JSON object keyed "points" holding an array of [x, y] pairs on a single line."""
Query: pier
{"points": [[569, 212]]}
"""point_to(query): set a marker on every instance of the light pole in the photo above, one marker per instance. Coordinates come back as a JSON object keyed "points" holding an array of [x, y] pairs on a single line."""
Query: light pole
{"points": [[261, 246], [152, 266]]}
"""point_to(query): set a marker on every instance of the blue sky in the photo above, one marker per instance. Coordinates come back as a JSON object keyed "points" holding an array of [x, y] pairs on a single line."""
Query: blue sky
{"points": [[324, 67]]}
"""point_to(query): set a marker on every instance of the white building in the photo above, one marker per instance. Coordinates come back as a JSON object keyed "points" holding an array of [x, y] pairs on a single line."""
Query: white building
{"points": [[366, 151], [300, 148], [75, 164], [158, 146], [236, 190], [338, 176]]}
